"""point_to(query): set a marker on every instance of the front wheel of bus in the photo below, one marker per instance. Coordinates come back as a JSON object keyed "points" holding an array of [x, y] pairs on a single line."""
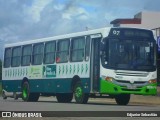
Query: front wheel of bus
{"points": [[122, 99], [79, 94], [26, 95]]}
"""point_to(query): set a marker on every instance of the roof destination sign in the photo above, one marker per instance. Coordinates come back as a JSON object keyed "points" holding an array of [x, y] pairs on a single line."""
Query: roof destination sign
{"points": [[130, 32]]}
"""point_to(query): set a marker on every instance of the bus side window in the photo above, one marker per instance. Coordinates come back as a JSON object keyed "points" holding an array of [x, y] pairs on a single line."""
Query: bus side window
{"points": [[38, 50], [7, 57], [49, 52], [77, 49], [16, 57], [26, 55], [62, 51], [87, 48]]}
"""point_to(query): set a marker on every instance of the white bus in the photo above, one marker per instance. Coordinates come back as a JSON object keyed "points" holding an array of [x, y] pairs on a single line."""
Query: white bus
{"points": [[106, 62]]}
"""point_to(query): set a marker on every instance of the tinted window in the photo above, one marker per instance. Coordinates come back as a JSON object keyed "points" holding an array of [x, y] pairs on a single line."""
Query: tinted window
{"points": [[49, 52], [63, 51], [77, 49], [7, 57], [26, 55], [16, 56], [38, 54]]}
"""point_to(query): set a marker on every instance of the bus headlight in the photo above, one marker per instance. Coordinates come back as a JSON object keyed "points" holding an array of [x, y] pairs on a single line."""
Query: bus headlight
{"points": [[109, 79], [152, 81]]}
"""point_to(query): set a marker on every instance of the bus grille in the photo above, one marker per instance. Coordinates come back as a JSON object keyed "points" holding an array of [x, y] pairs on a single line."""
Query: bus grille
{"points": [[131, 89], [135, 82], [131, 73]]}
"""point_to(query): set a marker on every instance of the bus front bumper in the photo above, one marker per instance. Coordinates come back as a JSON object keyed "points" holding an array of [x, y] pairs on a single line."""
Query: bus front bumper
{"points": [[107, 87]]}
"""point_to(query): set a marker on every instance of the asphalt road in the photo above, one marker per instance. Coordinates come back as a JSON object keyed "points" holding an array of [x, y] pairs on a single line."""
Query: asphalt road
{"points": [[51, 104]]}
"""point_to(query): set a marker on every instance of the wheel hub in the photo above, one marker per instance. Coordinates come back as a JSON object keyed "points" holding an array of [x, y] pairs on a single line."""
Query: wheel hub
{"points": [[78, 92]]}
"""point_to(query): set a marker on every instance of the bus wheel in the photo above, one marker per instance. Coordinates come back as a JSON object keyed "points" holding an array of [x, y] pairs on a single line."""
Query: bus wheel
{"points": [[15, 96], [122, 99], [26, 95], [79, 94], [3, 95], [64, 97]]}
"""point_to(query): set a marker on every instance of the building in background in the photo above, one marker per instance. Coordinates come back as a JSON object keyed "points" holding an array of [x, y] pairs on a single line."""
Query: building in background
{"points": [[145, 19]]}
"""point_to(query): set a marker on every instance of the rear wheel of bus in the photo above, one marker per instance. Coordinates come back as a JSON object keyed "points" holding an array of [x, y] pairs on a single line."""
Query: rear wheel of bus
{"points": [[15, 96], [4, 95], [122, 99], [27, 95], [79, 95]]}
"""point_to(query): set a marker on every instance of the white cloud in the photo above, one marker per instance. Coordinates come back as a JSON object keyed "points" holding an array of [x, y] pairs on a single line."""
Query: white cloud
{"points": [[83, 17], [59, 7], [78, 12], [66, 15], [109, 16], [37, 7]]}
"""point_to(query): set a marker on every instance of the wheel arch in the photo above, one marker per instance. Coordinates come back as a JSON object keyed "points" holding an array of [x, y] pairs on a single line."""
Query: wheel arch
{"points": [[25, 79], [75, 79]]}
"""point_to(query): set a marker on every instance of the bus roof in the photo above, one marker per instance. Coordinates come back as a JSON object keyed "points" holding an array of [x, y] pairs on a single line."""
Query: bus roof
{"points": [[103, 31]]}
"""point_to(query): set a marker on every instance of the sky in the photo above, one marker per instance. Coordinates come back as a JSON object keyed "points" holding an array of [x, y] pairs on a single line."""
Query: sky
{"points": [[22, 20]]}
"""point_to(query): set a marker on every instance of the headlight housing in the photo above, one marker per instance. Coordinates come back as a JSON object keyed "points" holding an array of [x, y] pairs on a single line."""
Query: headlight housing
{"points": [[107, 78], [152, 81]]}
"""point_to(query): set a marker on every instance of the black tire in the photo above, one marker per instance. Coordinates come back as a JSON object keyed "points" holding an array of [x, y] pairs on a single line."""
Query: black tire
{"points": [[79, 95], [27, 95], [122, 99], [64, 97], [3, 95], [15, 96]]}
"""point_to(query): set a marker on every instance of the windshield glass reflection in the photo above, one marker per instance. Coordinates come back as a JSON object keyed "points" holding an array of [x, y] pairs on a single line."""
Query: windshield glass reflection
{"points": [[130, 54]]}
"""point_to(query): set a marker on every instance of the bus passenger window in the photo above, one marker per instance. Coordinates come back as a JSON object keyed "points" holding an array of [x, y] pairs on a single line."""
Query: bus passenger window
{"points": [[87, 49], [77, 49], [63, 51], [16, 57], [26, 55], [38, 54], [7, 57], [49, 52]]}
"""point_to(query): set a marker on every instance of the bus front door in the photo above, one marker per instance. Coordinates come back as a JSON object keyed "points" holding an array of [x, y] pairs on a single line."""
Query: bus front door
{"points": [[95, 64]]}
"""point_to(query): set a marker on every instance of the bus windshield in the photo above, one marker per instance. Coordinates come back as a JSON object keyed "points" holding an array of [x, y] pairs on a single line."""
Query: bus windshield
{"points": [[130, 55]]}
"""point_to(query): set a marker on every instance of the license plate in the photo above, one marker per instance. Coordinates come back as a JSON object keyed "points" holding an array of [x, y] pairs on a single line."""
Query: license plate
{"points": [[131, 87]]}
